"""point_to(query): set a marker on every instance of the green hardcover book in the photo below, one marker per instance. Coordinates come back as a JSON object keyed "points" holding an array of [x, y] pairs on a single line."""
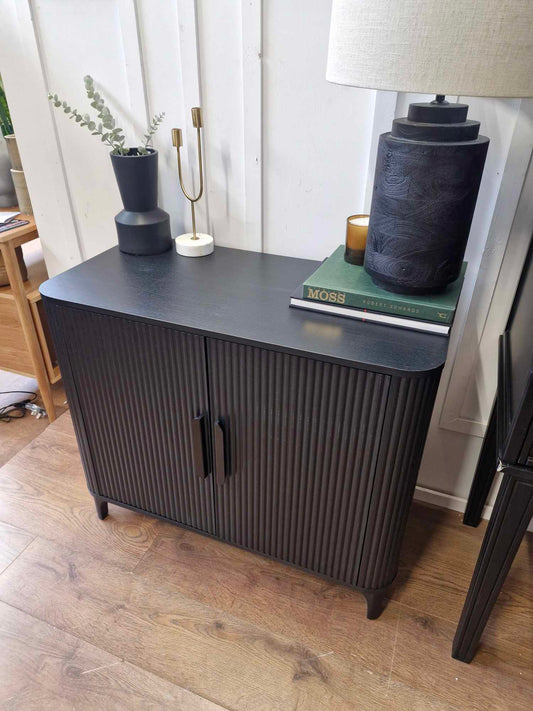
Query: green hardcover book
{"points": [[337, 282]]}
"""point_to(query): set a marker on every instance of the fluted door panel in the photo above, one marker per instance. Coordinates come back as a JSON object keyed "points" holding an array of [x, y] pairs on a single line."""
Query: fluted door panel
{"points": [[404, 433], [136, 390], [301, 441]]}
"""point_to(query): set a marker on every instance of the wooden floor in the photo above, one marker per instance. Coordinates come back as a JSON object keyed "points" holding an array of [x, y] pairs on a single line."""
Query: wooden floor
{"points": [[17, 434], [132, 613]]}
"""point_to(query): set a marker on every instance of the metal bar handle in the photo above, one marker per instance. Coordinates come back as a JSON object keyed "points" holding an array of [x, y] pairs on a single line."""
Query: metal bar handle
{"points": [[198, 449], [220, 454]]}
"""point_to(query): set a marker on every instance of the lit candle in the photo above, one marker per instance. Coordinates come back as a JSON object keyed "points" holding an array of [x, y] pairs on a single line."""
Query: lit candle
{"points": [[356, 231]]}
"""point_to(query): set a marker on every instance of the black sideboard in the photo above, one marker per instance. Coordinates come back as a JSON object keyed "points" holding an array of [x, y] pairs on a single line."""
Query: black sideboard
{"points": [[200, 397]]}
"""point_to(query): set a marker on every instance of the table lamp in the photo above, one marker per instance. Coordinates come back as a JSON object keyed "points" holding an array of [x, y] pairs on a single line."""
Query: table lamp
{"points": [[429, 166]]}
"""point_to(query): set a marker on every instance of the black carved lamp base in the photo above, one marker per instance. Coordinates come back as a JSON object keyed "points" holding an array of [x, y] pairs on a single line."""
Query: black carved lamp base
{"points": [[428, 172], [387, 285]]}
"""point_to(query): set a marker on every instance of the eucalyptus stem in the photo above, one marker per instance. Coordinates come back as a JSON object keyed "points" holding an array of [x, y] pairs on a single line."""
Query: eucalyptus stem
{"points": [[106, 128], [152, 128]]}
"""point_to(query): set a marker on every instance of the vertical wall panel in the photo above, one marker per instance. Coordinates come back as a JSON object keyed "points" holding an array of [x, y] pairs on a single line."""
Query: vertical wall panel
{"points": [[189, 47], [136, 390], [221, 89], [76, 40], [316, 135], [252, 106], [159, 28], [469, 397]]}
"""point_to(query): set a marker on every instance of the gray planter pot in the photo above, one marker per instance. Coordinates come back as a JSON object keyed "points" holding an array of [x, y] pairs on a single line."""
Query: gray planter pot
{"points": [[17, 174], [7, 189], [13, 152], [23, 196]]}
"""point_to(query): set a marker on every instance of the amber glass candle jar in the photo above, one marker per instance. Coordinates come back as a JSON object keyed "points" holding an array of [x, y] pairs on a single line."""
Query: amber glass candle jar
{"points": [[356, 231]]}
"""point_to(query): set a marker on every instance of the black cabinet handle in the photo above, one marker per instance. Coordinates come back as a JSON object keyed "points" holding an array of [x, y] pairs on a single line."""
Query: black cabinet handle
{"points": [[198, 450], [220, 455]]}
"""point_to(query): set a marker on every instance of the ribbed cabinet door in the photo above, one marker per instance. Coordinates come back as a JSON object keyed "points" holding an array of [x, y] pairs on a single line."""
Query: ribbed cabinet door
{"points": [[138, 388], [404, 433], [301, 441]]}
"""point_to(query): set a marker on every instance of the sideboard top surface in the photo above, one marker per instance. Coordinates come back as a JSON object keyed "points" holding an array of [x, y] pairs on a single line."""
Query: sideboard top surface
{"points": [[241, 296]]}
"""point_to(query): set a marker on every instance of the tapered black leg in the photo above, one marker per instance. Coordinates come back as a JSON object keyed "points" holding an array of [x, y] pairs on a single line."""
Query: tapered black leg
{"points": [[484, 475], [101, 507], [509, 521], [375, 603]]}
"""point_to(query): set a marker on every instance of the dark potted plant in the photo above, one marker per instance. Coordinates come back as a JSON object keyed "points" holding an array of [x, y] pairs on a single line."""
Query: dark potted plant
{"points": [[142, 227]]}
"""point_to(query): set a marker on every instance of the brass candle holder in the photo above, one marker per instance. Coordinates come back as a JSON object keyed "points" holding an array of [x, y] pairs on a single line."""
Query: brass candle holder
{"points": [[192, 244]]}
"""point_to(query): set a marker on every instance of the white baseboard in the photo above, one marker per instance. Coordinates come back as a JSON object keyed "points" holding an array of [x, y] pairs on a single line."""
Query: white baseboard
{"points": [[447, 501]]}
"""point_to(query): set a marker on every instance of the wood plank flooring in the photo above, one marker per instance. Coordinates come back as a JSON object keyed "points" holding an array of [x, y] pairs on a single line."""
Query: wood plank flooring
{"points": [[132, 613], [17, 434]]}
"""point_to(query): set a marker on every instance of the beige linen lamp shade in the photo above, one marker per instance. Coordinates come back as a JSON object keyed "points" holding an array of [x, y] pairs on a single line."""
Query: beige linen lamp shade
{"points": [[458, 47]]}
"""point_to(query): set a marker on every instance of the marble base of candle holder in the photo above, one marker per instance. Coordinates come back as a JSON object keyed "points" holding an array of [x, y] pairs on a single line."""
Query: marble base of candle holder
{"points": [[187, 246]]}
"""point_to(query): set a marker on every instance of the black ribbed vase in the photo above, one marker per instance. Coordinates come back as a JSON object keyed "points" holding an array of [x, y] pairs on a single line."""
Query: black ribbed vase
{"points": [[142, 227], [428, 172]]}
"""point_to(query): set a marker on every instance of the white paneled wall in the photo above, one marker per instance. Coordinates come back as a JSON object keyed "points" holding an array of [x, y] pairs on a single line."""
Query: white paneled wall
{"points": [[287, 156], [89, 46], [316, 135]]}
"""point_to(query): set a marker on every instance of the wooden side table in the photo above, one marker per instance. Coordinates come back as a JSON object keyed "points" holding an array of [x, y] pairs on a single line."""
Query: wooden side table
{"points": [[24, 345]]}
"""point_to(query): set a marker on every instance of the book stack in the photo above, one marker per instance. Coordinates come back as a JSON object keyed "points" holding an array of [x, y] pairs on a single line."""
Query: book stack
{"points": [[343, 289], [8, 221]]}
